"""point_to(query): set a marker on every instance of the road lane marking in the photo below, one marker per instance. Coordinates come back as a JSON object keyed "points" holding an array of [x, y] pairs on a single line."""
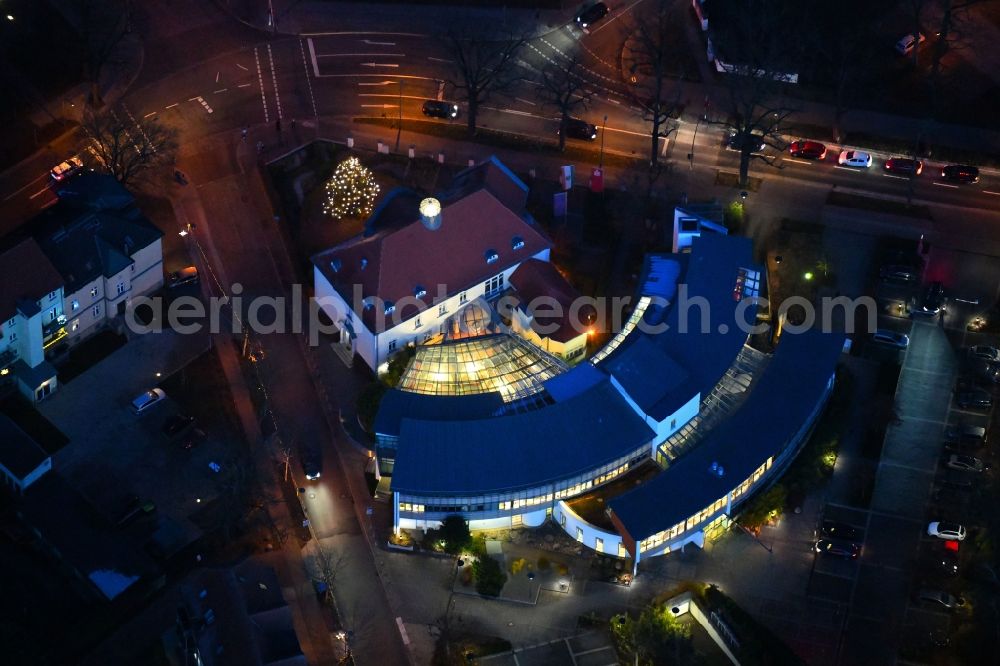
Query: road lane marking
{"points": [[221, 90], [260, 79], [379, 64], [18, 191], [378, 106], [39, 192], [193, 99], [444, 60], [242, 67], [244, 85], [363, 32], [624, 131], [362, 55], [377, 83], [305, 64], [519, 99], [151, 113], [851, 169], [274, 77], [516, 112], [393, 96], [889, 175], [440, 95], [398, 76], [312, 55], [997, 194], [217, 76], [954, 187], [370, 42], [792, 159], [170, 106]]}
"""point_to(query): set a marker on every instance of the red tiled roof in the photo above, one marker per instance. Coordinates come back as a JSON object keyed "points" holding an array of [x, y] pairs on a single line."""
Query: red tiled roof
{"points": [[25, 274], [454, 255], [535, 279]]}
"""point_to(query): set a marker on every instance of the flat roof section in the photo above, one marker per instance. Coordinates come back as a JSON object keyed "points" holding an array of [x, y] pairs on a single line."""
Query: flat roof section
{"points": [[520, 451], [19, 453], [787, 392], [396, 405]]}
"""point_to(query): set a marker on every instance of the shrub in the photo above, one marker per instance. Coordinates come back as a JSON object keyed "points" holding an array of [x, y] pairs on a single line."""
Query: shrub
{"points": [[490, 578], [518, 565], [455, 534]]}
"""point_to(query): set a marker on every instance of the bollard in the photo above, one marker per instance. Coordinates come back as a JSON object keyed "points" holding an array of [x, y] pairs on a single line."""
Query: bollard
{"points": [[380, 144], [440, 158], [412, 152], [350, 142], [472, 162]]}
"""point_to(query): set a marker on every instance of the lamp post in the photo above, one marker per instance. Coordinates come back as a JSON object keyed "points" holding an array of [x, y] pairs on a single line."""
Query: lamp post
{"points": [[604, 128], [399, 115]]}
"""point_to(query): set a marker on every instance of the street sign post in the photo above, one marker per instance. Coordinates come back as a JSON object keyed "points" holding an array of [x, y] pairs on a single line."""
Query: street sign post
{"points": [[597, 180]]}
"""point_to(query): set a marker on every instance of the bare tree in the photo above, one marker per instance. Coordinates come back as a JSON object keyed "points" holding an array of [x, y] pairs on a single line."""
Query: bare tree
{"points": [[759, 52], [564, 89], [657, 74], [127, 148], [483, 63], [102, 26]]}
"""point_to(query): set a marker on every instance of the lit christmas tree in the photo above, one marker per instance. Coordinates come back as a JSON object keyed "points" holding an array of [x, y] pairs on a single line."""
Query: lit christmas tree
{"points": [[351, 192]]}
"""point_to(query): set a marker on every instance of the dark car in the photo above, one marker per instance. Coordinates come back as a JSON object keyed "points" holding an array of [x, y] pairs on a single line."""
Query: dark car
{"points": [[435, 108], [592, 15], [311, 466], [940, 598], [187, 275], [931, 301], [134, 507], [192, 438], [838, 530], [580, 129], [737, 140], [945, 561], [811, 150], [975, 399], [836, 548], [960, 173], [177, 424], [904, 166], [965, 437], [899, 273]]}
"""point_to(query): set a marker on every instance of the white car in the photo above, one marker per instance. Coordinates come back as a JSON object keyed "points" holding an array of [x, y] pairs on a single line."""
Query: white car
{"points": [[986, 352], [965, 463], [907, 43], [146, 400], [891, 338], [855, 158], [946, 531], [66, 169]]}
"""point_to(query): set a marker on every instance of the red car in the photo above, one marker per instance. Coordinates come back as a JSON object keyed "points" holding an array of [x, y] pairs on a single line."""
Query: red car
{"points": [[812, 150], [904, 166]]}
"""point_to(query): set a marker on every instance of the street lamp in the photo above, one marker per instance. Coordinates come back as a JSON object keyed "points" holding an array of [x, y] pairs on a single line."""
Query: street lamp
{"points": [[604, 129]]}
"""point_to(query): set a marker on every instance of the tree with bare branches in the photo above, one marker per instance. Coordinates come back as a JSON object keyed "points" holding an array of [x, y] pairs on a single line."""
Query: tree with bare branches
{"points": [[128, 148], [564, 89], [759, 52], [102, 25], [656, 65], [484, 63]]}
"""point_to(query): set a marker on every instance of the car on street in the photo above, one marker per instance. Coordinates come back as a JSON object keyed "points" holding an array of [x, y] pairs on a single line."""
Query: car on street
{"points": [[810, 150], [436, 108], [176, 424], [186, 275], [889, 338], [855, 158], [974, 399], [907, 43], [311, 466], [754, 141], [931, 302], [134, 507], [960, 173], [965, 436], [904, 166], [580, 129], [64, 170], [899, 273], [838, 530], [947, 531], [965, 463], [145, 401], [940, 598], [985, 352], [592, 15], [836, 548]]}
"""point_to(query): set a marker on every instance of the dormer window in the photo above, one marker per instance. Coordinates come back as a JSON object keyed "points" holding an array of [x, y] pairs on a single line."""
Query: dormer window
{"points": [[419, 291], [368, 303], [492, 256], [335, 265], [390, 307], [516, 243]]}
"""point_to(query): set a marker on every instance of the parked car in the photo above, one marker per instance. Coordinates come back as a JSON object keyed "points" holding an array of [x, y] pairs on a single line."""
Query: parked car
{"points": [[907, 43], [965, 436], [838, 530], [64, 170], [147, 400], [932, 301], [134, 508], [974, 399], [940, 598], [811, 150], [580, 129], [904, 166], [899, 273], [960, 173], [985, 352], [947, 531], [435, 108], [192, 438], [592, 15], [186, 275], [738, 140], [177, 424], [946, 562], [835, 548], [891, 338], [965, 463], [855, 158]]}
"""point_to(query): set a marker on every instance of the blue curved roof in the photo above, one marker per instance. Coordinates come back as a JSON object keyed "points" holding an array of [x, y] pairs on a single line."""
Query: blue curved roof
{"points": [[782, 400]]}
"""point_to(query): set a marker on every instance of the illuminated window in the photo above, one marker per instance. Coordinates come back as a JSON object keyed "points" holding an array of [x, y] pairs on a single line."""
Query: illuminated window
{"points": [[93, 292], [579, 534], [75, 305], [599, 544], [622, 552]]}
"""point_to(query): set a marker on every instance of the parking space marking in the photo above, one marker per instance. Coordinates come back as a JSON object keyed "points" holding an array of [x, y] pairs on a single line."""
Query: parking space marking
{"points": [[792, 159], [996, 194], [889, 175], [260, 79], [890, 463], [954, 187]]}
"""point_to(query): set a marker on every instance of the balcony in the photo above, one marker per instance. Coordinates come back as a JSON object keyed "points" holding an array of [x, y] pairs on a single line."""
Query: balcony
{"points": [[54, 331]]}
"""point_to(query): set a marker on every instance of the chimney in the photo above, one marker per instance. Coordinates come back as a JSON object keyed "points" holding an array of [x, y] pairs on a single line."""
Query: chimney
{"points": [[430, 213]]}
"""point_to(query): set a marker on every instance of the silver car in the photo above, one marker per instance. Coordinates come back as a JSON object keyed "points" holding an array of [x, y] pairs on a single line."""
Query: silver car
{"points": [[889, 338]]}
